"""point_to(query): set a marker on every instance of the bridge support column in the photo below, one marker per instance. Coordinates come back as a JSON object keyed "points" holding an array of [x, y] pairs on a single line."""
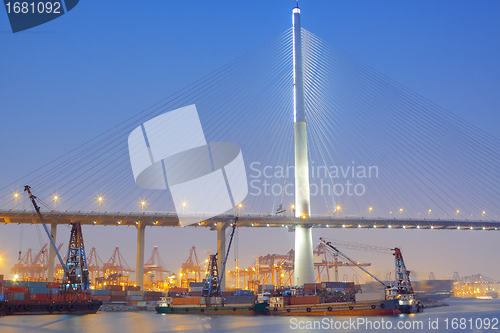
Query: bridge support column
{"points": [[304, 261], [52, 253], [139, 269], [221, 251]]}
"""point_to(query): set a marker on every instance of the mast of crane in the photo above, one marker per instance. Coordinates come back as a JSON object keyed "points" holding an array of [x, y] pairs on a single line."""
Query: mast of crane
{"points": [[32, 198], [352, 261]]}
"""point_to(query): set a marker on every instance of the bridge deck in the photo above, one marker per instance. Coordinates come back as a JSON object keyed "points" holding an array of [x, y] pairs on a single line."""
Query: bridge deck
{"points": [[171, 220]]}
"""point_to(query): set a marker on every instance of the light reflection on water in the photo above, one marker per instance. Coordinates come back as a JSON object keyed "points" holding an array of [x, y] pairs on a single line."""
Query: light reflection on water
{"points": [[149, 321]]}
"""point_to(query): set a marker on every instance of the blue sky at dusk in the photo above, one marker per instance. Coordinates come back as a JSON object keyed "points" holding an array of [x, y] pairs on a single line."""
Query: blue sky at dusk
{"points": [[69, 80]]}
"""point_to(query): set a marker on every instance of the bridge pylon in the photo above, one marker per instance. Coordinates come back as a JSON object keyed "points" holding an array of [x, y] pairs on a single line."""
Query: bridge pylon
{"points": [[304, 260]]}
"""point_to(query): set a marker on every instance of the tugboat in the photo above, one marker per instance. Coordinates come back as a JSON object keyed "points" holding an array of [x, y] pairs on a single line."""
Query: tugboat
{"points": [[70, 297]]}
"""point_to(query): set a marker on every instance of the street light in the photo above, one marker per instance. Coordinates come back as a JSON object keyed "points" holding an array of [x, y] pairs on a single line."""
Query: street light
{"points": [[99, 199], [337, 209], [55, 201], [143, 203], [239, 208], [183, 206], [370, 210], [16, 196], [400, 211], [293, 210]]}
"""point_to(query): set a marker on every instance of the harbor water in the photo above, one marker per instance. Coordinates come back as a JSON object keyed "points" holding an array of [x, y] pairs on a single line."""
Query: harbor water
{"points": [[463, 315]]}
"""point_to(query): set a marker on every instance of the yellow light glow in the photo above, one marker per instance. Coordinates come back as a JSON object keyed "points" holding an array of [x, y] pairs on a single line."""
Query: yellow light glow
{"points": [[240, 205], [303, 216], [56, 197], [143, 203], [16, 195], [292, 206], [400, 209], [184, 204], [370, 209], [458, 211], [100, 198], [338, 207]]}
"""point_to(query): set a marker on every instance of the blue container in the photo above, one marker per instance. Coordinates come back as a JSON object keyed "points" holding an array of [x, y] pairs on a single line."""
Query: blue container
{"points": [[10, 283], [98, 292], [2, 297], [243, 293], [45, 291], [19, 296], [196, 284], [32, 284]]}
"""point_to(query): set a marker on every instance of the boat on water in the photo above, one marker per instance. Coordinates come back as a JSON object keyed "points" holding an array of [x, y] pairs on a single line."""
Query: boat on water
{"points": [[396, 299], [72, 296]]}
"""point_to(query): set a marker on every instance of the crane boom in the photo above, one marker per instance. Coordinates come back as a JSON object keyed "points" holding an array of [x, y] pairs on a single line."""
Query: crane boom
{"points": [[32, 198], [352, 261], [228, 248]]}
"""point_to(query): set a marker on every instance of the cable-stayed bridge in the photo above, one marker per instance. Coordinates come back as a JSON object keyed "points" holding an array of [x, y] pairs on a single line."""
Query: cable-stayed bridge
{"points": [[379, 155]]}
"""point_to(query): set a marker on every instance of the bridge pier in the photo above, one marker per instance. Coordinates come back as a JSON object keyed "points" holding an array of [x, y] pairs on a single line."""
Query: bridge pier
{"points": [[52, 253], [221, 251], [139, 269], [304, 263]]}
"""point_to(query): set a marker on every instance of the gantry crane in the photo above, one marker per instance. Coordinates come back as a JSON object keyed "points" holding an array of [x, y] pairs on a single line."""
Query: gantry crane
{"points": [[116, 270], [154, 268], [191, 266]]}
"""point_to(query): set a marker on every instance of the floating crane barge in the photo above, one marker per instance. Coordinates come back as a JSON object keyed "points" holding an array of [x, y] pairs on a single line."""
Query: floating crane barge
{"points": [[72, 296]]}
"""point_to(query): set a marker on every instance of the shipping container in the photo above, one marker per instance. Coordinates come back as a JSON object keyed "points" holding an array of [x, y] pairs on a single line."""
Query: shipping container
{"points": [[178, 290], [239, 299], [304, 300], [153, 293], [45, 291], [135, 298], [117, 293], [114, 287], [19, 296], [39, 297], [10, 283], [99, 292], [195, 284], [243, 292], [34, 284], [100, 298], [133, 293], [186, 300], [2, 297], [15, 289], [118, 298], [132, 288], [54, 285]]}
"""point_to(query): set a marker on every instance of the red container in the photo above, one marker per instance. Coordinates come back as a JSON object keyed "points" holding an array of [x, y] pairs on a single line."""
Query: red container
{"points": [[118, 298], [117, 293], [15, 290], [40, 297], [54, 285], [304, 300], [100, 298], [178, 290]]}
